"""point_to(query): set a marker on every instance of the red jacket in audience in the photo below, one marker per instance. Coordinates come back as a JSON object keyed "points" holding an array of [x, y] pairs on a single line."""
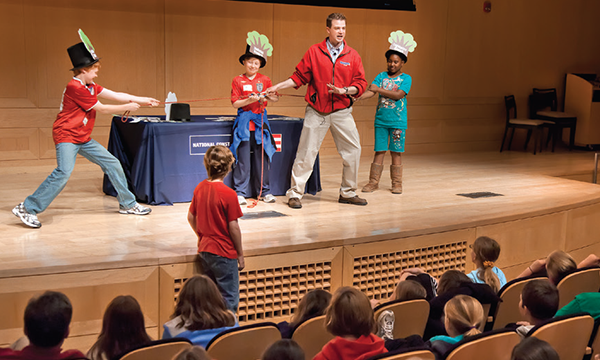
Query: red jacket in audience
{"points": [[362, 348], [33, 352]]}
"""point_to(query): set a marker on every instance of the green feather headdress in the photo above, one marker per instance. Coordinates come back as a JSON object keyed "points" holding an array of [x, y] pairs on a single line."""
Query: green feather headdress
{"points": [[259, 44], [402, 42], [88, 44]]}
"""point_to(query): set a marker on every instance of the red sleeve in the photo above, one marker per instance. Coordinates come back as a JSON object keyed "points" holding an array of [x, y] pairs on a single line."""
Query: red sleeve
{"points": [[193, 204], [303, 73], [236, 90], [233, 209], [82, 96], [358, 77]]}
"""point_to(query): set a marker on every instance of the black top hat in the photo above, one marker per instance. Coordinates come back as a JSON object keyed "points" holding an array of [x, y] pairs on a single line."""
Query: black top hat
{"points": [[80, 56], [248, 54]]}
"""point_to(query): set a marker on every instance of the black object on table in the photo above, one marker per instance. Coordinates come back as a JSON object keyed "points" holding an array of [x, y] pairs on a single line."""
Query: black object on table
{"points": [[164, 161]]}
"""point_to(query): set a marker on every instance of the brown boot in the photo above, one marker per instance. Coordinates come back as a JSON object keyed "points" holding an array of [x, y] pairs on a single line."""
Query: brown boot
{"points": [[396, 174], [374, 176]]}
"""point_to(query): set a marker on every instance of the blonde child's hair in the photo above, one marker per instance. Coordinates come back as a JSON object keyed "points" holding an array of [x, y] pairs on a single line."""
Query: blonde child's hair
{"points": [[487, 251], [409, 290], [465, 314], [217, 161], [86, 68], [558, 265]]}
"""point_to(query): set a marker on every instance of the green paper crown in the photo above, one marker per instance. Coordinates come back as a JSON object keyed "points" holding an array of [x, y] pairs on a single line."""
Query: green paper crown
{"points": [[259, 44], [88, 44], [402, 42]]}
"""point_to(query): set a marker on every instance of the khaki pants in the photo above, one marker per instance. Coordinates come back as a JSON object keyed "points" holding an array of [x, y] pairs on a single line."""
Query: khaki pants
{"points": [[347, 142]]}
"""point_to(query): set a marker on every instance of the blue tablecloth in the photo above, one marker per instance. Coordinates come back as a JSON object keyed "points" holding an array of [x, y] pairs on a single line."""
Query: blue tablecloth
{"points": [[163, 161]]}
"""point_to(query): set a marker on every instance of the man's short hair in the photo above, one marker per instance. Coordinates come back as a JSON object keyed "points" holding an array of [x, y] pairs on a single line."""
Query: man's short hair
{"points": [[541, 298], [335, 16], [47, 318]]}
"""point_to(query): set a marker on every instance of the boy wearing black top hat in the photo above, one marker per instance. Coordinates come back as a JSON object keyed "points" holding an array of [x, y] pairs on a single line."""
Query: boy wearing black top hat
{"points": [[252, 151], [71, 133]]}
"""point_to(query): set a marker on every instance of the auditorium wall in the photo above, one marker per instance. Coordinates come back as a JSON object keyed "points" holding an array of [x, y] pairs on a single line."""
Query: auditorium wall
{"points": [[465, 62]]}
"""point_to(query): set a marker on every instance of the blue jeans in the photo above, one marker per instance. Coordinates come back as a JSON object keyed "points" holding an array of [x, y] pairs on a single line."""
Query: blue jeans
{"points": [[224, 272], [246, 172], [65, 162]]}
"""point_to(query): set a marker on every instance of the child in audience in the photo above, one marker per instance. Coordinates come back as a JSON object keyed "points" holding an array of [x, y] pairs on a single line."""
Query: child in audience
{"points": [[532, 348], [193, 353], [539, 302], [47, 319], [213, 216], [585, 302], [313, 304], [484, 255], [200, 313], [122, 329], [451, 279], [557, 266], [404, 291], [350, 319], [464, 318], [284, 349]]}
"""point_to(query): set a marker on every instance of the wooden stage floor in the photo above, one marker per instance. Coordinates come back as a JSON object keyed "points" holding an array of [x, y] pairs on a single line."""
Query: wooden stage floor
{"points": [[82, 229]]}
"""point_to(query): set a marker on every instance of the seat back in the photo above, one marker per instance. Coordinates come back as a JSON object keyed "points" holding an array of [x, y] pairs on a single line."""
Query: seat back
{"points": [[420, 354], [510, 104], [507, 310], [410, 316], [580, 281], [312, 335], [496, 345], [594, 343], [545, 98], [243, 343], [568, 335], [158, 350]]}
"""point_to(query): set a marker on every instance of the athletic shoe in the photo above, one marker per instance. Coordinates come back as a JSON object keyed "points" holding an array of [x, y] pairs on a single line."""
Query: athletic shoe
{"points": [[385, 321], [137, 209], [242, 200], [269, 198], [28, 219]]}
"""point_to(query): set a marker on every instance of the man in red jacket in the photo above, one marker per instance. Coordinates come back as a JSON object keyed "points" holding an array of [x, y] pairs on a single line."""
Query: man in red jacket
{"points": [[333, 72]]}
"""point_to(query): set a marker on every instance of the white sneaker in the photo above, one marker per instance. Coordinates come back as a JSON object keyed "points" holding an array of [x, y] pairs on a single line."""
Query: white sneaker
{"points": [[385, 323], [28, 219], [269, 198], [242, 200], [137, 209]]}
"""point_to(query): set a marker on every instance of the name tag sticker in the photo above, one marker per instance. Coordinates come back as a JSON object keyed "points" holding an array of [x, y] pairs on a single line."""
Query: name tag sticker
{"points": [[247, 87], [344, 63]]}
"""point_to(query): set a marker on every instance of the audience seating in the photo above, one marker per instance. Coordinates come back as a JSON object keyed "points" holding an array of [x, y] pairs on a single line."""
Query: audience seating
{"points": [[507, 310], [312, 335], [516, 123], [578, 282], [404, 354], [158, 350], [594, 343], [568, 335], [243, 343], [410, 316], [492, 345]]}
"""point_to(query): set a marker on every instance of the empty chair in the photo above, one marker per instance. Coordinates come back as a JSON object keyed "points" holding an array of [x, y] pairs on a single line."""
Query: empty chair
{"points": [[243, 343], [578, 282], [544, 107], [516, 123], [492, 345], [507, 310], [405, 354], [312, 335], [410, 316], [568, 335], [158, 350]]}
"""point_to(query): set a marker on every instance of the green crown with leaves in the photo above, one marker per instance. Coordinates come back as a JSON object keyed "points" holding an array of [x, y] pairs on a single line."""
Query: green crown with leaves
{"points": [[402, 42], [259, 44], [88, 44]]}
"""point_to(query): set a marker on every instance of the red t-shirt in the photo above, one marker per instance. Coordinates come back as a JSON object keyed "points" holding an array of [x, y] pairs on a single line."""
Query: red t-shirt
{"points": [[215, 205], [32, 352], [242, 87], [75, 121], [360, 349]]}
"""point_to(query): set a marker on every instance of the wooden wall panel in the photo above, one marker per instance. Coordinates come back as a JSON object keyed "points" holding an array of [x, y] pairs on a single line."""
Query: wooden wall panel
{"points": [[465, 61]]}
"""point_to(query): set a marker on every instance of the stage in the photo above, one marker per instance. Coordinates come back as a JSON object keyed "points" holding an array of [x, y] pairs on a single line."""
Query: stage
{"points": [[90, 251]]}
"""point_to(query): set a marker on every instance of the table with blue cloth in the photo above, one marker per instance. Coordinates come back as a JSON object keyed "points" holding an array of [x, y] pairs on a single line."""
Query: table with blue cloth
{"points": [[164, 161]]}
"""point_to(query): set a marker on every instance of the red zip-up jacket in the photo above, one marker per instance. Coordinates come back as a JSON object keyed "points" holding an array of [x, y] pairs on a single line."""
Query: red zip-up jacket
{"points": [[317, 70]]}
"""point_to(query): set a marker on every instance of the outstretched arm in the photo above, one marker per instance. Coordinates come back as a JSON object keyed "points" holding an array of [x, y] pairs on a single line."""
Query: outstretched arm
{"points": [[124, 97], [113, 109], [282, 85]]}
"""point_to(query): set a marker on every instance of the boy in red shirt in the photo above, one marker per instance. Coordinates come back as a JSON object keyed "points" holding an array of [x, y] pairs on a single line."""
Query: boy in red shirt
{"points": [[213, 216], [247, 95], [71, 133]]}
